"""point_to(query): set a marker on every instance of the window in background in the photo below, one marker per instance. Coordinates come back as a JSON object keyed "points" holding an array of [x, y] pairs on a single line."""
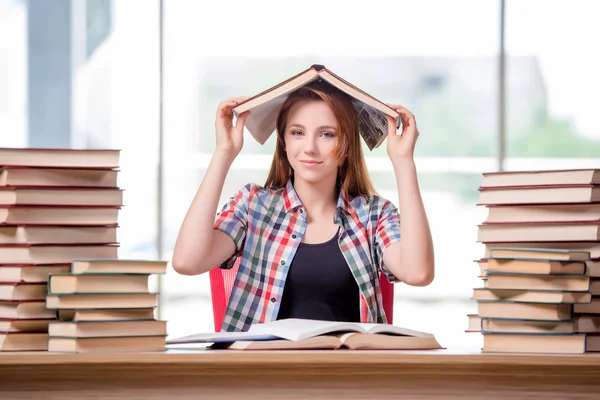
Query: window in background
{"points": [[84, 74], [430, 56], [553, 84], [13, 73]]}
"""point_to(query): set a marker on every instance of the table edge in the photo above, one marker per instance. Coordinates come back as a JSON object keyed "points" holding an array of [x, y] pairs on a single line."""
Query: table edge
{"points": [[295, 357]]}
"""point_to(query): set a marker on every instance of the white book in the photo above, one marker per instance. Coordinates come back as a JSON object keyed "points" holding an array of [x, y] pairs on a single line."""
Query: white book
{"points": [[304, 333]]}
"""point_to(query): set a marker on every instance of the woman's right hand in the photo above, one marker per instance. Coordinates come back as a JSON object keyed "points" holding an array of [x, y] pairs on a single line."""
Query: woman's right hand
{"points": [[230, 139]]}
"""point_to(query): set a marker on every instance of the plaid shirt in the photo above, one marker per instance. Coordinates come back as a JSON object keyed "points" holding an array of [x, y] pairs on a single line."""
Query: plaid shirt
{"points": [[267, 225]]}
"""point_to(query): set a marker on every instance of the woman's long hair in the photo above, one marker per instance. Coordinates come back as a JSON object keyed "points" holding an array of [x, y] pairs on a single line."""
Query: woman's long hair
{"points": [[353, 178]]}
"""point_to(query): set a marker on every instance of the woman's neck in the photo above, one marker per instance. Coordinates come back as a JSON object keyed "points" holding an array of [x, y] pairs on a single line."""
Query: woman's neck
{"points": [[319, 199]]}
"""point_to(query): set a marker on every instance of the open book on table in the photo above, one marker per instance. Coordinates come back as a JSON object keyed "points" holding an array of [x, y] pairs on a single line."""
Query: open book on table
{"points": [[314, 334]]}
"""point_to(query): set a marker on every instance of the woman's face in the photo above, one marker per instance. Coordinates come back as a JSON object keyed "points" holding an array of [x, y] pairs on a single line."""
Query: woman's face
{"points": [[311, 136]]}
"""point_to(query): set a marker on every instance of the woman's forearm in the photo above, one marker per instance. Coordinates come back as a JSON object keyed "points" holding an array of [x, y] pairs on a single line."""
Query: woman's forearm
{"points": [[417, 256], [194, 241]]}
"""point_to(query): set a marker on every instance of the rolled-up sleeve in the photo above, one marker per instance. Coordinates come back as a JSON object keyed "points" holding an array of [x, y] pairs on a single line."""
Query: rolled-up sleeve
{"points": [[232, 220], [387, 232]]}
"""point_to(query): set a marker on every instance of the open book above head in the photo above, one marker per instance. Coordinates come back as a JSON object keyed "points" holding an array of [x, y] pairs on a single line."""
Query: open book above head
{"points": [[264, 107]]}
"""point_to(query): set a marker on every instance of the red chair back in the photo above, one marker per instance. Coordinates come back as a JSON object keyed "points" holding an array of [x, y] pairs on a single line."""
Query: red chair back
{"points": [[221, 285]]}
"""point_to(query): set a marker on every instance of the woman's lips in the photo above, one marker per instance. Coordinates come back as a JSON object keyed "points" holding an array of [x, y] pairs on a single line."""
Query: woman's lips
{"points": [[310, 163]]}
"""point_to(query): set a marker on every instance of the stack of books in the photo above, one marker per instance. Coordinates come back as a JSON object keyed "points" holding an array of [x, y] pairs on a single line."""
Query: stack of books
{"points": [[105, 305], [56, 205], [541, 267]]}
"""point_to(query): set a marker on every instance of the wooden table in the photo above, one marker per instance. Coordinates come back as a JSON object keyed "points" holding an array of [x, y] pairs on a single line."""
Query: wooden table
{"points": [[335, 374]]}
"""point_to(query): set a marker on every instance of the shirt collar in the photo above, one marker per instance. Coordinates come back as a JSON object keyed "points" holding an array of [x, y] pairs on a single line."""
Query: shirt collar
{"points": [[290, 197], [292, 201]]}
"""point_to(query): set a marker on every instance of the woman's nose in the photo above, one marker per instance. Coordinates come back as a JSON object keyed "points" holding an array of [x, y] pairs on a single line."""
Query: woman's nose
{"points": [[310, 145]]}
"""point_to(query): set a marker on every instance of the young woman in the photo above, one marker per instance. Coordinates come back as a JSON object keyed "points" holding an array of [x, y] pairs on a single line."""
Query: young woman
{"points": [[311, 242]]}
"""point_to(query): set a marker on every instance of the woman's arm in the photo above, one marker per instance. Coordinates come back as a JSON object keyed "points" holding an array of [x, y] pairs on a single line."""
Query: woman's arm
{"points": [[412, 258], [199, 247]]}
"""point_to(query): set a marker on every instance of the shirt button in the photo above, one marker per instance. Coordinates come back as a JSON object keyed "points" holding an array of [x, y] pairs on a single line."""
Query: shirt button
{"points": [[273, 300], [283, 263], [293, 236], [301, 211]]}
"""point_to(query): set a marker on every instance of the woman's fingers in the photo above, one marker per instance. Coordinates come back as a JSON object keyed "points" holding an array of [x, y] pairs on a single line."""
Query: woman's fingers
{"points": [[241, 99], [392, 130], [241, 120], [226, 105], [406, 116]]}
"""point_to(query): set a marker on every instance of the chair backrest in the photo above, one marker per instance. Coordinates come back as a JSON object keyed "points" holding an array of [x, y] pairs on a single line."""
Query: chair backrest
{"points": [[221, 285]]}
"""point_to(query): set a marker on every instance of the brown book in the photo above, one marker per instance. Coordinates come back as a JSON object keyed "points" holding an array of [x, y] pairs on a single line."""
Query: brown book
{"points": [[97, 283], [593, 248], [107, 329], [569, 283], [124, 314], [539, 194], [117, 266], [537, 178], [25, 176], [491, 325], [25, 325], [53, 254], [593, 307], [264, 107], [44, 234], [532, 343], [59, 157], [592, 267], [23, 341], [587, 324], [30, 273], [117, 300], [543, 213], [474, 324], [107, 344], [553, 254], [513, 310], [25, 310], [58, 215], [531, 296], [536, 266], [595, 287], [482, 264], [518, 232], [23, 291], [27, 196]]}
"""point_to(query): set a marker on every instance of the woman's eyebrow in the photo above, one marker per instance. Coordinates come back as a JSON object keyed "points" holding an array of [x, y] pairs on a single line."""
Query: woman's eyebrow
{"points": [[320, 127]]}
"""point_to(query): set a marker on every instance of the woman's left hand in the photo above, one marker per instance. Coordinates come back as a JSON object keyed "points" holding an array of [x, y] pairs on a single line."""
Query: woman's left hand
{"points": [[402, 146]]}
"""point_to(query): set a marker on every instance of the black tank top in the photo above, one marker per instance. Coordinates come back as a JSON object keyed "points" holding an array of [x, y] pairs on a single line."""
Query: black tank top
{"points": [[320, 285]]}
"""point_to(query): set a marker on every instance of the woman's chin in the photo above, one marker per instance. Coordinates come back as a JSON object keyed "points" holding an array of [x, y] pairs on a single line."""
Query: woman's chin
{"points": [[310, 177]]}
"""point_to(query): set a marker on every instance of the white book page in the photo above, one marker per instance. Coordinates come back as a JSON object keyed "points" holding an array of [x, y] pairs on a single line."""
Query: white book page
{"points": [[392, 329], [298, 329], [215, 337], [295, 329]]}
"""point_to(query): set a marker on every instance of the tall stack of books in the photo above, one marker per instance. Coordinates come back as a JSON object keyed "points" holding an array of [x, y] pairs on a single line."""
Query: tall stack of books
{"points": [[104, 305], [541, 267], [56, 205]]}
